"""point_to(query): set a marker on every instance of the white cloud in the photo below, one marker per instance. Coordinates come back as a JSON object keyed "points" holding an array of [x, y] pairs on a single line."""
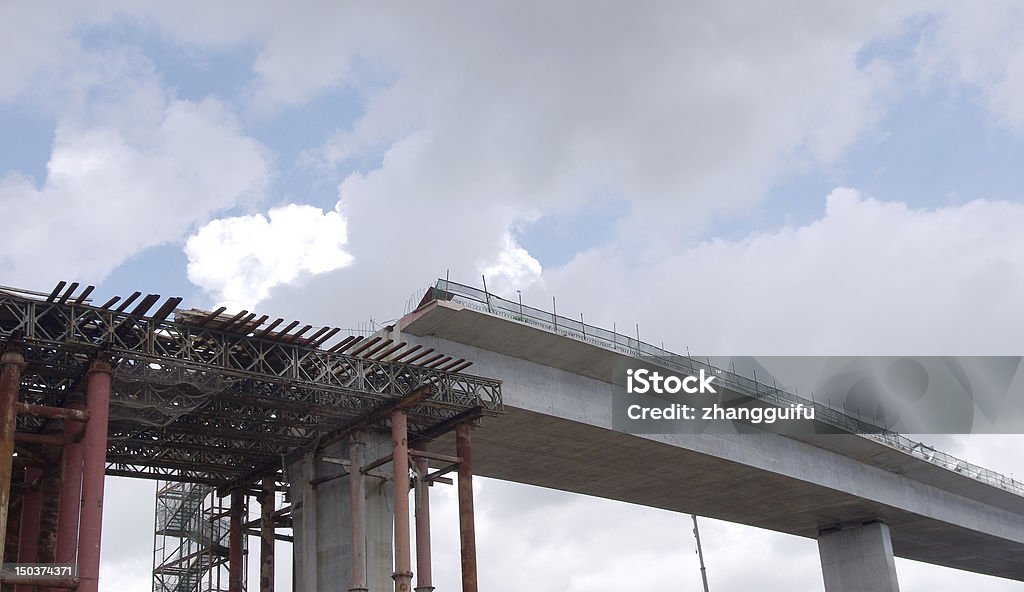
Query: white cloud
{"points": [[867, 278], [513, 269], [240, 259], [975, 45], [136, 176]]}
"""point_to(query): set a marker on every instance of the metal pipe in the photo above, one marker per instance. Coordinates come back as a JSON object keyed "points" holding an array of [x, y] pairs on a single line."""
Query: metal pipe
{"points": [[424, 579], [467, 525], [267, 534], [28, 539], [235, 564], [52, 412], [400, 463], [70, 492], [94, 458], [11, 364], [357, 510]]}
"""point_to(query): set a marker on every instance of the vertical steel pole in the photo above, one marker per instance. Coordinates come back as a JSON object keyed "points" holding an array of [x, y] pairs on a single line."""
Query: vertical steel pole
{"points": [[267, 534], [11, 364], [31, 505], [424, 577], [700, 554], [94, 460], [357, 511], [70, 491], [467, 525], [400, 462], [309, 579], [235, 560], [50, 510]]}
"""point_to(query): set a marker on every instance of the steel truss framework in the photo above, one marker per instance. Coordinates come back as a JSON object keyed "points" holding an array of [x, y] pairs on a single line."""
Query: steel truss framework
{"points": [[209, 398]]}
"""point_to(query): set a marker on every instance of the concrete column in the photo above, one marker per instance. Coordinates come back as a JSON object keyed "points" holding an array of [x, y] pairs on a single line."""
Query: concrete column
{"points": [[11, 365], [94, 460], [236, 563], [357, 511], [858, 559], [267, 498], [323, 550], [70, 491], [467, 522], [400, 461], [424, 576]]}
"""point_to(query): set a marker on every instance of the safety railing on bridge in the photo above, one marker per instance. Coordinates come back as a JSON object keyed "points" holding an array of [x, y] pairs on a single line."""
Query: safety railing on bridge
{"points": [[484, 301]]}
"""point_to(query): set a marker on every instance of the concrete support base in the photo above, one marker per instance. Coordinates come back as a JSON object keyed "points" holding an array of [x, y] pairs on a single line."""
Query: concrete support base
{"points": [[322, 526], [858, 559]]}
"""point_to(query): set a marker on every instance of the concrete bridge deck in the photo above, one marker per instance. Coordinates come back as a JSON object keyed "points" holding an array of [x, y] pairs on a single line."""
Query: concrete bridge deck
{"points": [[557, 432]]}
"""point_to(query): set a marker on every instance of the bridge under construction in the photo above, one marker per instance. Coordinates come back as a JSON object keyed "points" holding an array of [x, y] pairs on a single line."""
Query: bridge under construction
{"points": [[227, 408]]}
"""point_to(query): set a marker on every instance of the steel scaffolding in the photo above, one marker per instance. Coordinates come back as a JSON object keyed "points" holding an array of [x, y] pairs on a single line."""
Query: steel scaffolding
{"points": [[190, 539]]}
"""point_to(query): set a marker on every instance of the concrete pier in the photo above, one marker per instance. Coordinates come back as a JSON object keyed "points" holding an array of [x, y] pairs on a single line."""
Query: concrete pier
{"points": [[858, 559], [330, 543]]}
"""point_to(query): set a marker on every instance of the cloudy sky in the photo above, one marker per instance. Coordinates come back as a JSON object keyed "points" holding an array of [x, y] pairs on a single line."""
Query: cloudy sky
{"points": [[736, 177]]}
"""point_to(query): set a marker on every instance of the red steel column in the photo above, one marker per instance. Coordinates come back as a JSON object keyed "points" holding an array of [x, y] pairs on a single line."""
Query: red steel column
{"points": [[70, 491], [424, 577], [400, 462], [31, 505], [11, 364], [467, 525], [357, 507], [235, 563], [94, 460], [49, 490], [267, 535]]}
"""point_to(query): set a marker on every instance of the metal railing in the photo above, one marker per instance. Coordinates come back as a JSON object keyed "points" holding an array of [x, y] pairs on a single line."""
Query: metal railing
{"points": [[478, 299]]}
